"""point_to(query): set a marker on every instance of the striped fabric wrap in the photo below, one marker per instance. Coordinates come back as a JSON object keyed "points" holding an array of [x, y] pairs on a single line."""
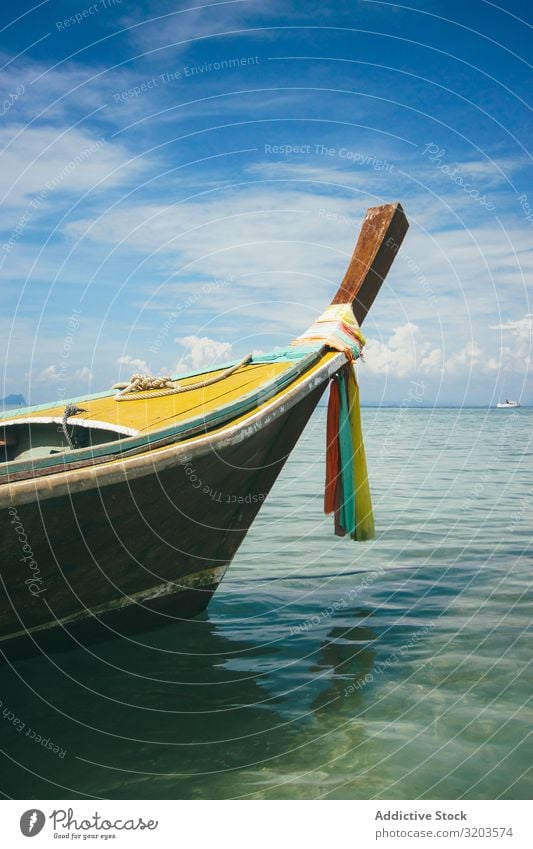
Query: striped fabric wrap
{"points": [[337, 328], [347, 491]]}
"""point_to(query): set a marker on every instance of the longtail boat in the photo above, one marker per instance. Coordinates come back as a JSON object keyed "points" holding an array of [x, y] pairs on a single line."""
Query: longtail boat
{"points": [[121, 511]]}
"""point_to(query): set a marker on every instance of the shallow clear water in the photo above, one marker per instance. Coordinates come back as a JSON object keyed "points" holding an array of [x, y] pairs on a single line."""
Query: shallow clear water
{"points": [[324, 668]]}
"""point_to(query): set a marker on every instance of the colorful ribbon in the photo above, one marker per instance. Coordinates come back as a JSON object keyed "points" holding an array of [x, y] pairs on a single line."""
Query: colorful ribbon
{"points": [[347, 491], [337, 328]]}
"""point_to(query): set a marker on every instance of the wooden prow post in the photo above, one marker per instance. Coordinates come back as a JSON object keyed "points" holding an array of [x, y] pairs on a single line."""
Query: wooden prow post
{"points": [[381, 235]]}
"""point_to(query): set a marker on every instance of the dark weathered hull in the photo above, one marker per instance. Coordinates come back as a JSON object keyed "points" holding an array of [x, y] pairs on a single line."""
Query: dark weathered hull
{"points": [[141, 552]]}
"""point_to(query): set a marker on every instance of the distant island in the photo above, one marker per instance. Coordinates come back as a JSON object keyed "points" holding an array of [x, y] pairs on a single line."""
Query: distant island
{"points": [[13, 401]]}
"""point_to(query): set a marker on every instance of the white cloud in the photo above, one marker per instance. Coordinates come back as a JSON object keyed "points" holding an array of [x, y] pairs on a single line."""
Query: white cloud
{"points": [[490, 170], [47, 160], [286, 249], [244, 234], [83, 374], [404, 353], [470, 358], [47, 375], [431, 360], [201, 351], [517, 354], [521, 328], [407, 352], [281, 229], [327, 173], [183, 27], [135, 363], [55, 94]]}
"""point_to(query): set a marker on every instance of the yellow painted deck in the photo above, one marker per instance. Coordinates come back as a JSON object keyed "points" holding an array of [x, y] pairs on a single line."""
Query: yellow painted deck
{"points": [[147, 415], [330, 355]]}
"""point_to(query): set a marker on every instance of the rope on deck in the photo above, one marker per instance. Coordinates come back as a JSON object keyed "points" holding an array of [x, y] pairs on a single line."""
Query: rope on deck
{"points": [[70, 410], [142, 386]]}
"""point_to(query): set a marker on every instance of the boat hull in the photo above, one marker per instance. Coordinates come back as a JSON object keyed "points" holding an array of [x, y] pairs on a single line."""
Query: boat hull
{"points": [[141, 552]]}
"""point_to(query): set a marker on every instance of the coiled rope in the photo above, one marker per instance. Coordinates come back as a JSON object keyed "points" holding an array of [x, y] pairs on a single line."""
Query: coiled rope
{"points": [[144, 386]]}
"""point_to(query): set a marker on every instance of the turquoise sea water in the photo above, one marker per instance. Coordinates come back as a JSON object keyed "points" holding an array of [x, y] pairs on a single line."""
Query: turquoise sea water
{"points": [[399, 668]]}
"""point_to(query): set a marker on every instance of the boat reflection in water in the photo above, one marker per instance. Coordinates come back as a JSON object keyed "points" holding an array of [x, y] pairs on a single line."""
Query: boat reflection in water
{"points": [[185, 705]]}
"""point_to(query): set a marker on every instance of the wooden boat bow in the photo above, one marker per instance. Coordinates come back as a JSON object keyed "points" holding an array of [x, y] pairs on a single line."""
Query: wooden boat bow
{"points": [[381, 235]]}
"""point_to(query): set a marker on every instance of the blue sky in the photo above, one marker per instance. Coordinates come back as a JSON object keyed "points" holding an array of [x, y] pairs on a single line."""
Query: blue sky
{"points": [[184, 182]]}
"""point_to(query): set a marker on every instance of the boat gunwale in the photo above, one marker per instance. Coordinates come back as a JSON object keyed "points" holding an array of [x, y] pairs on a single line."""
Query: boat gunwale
{"points": [[119, 470]]}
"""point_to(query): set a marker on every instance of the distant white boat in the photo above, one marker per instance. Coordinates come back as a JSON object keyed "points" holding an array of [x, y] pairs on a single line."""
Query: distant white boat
{"points": [[506, 404]]}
